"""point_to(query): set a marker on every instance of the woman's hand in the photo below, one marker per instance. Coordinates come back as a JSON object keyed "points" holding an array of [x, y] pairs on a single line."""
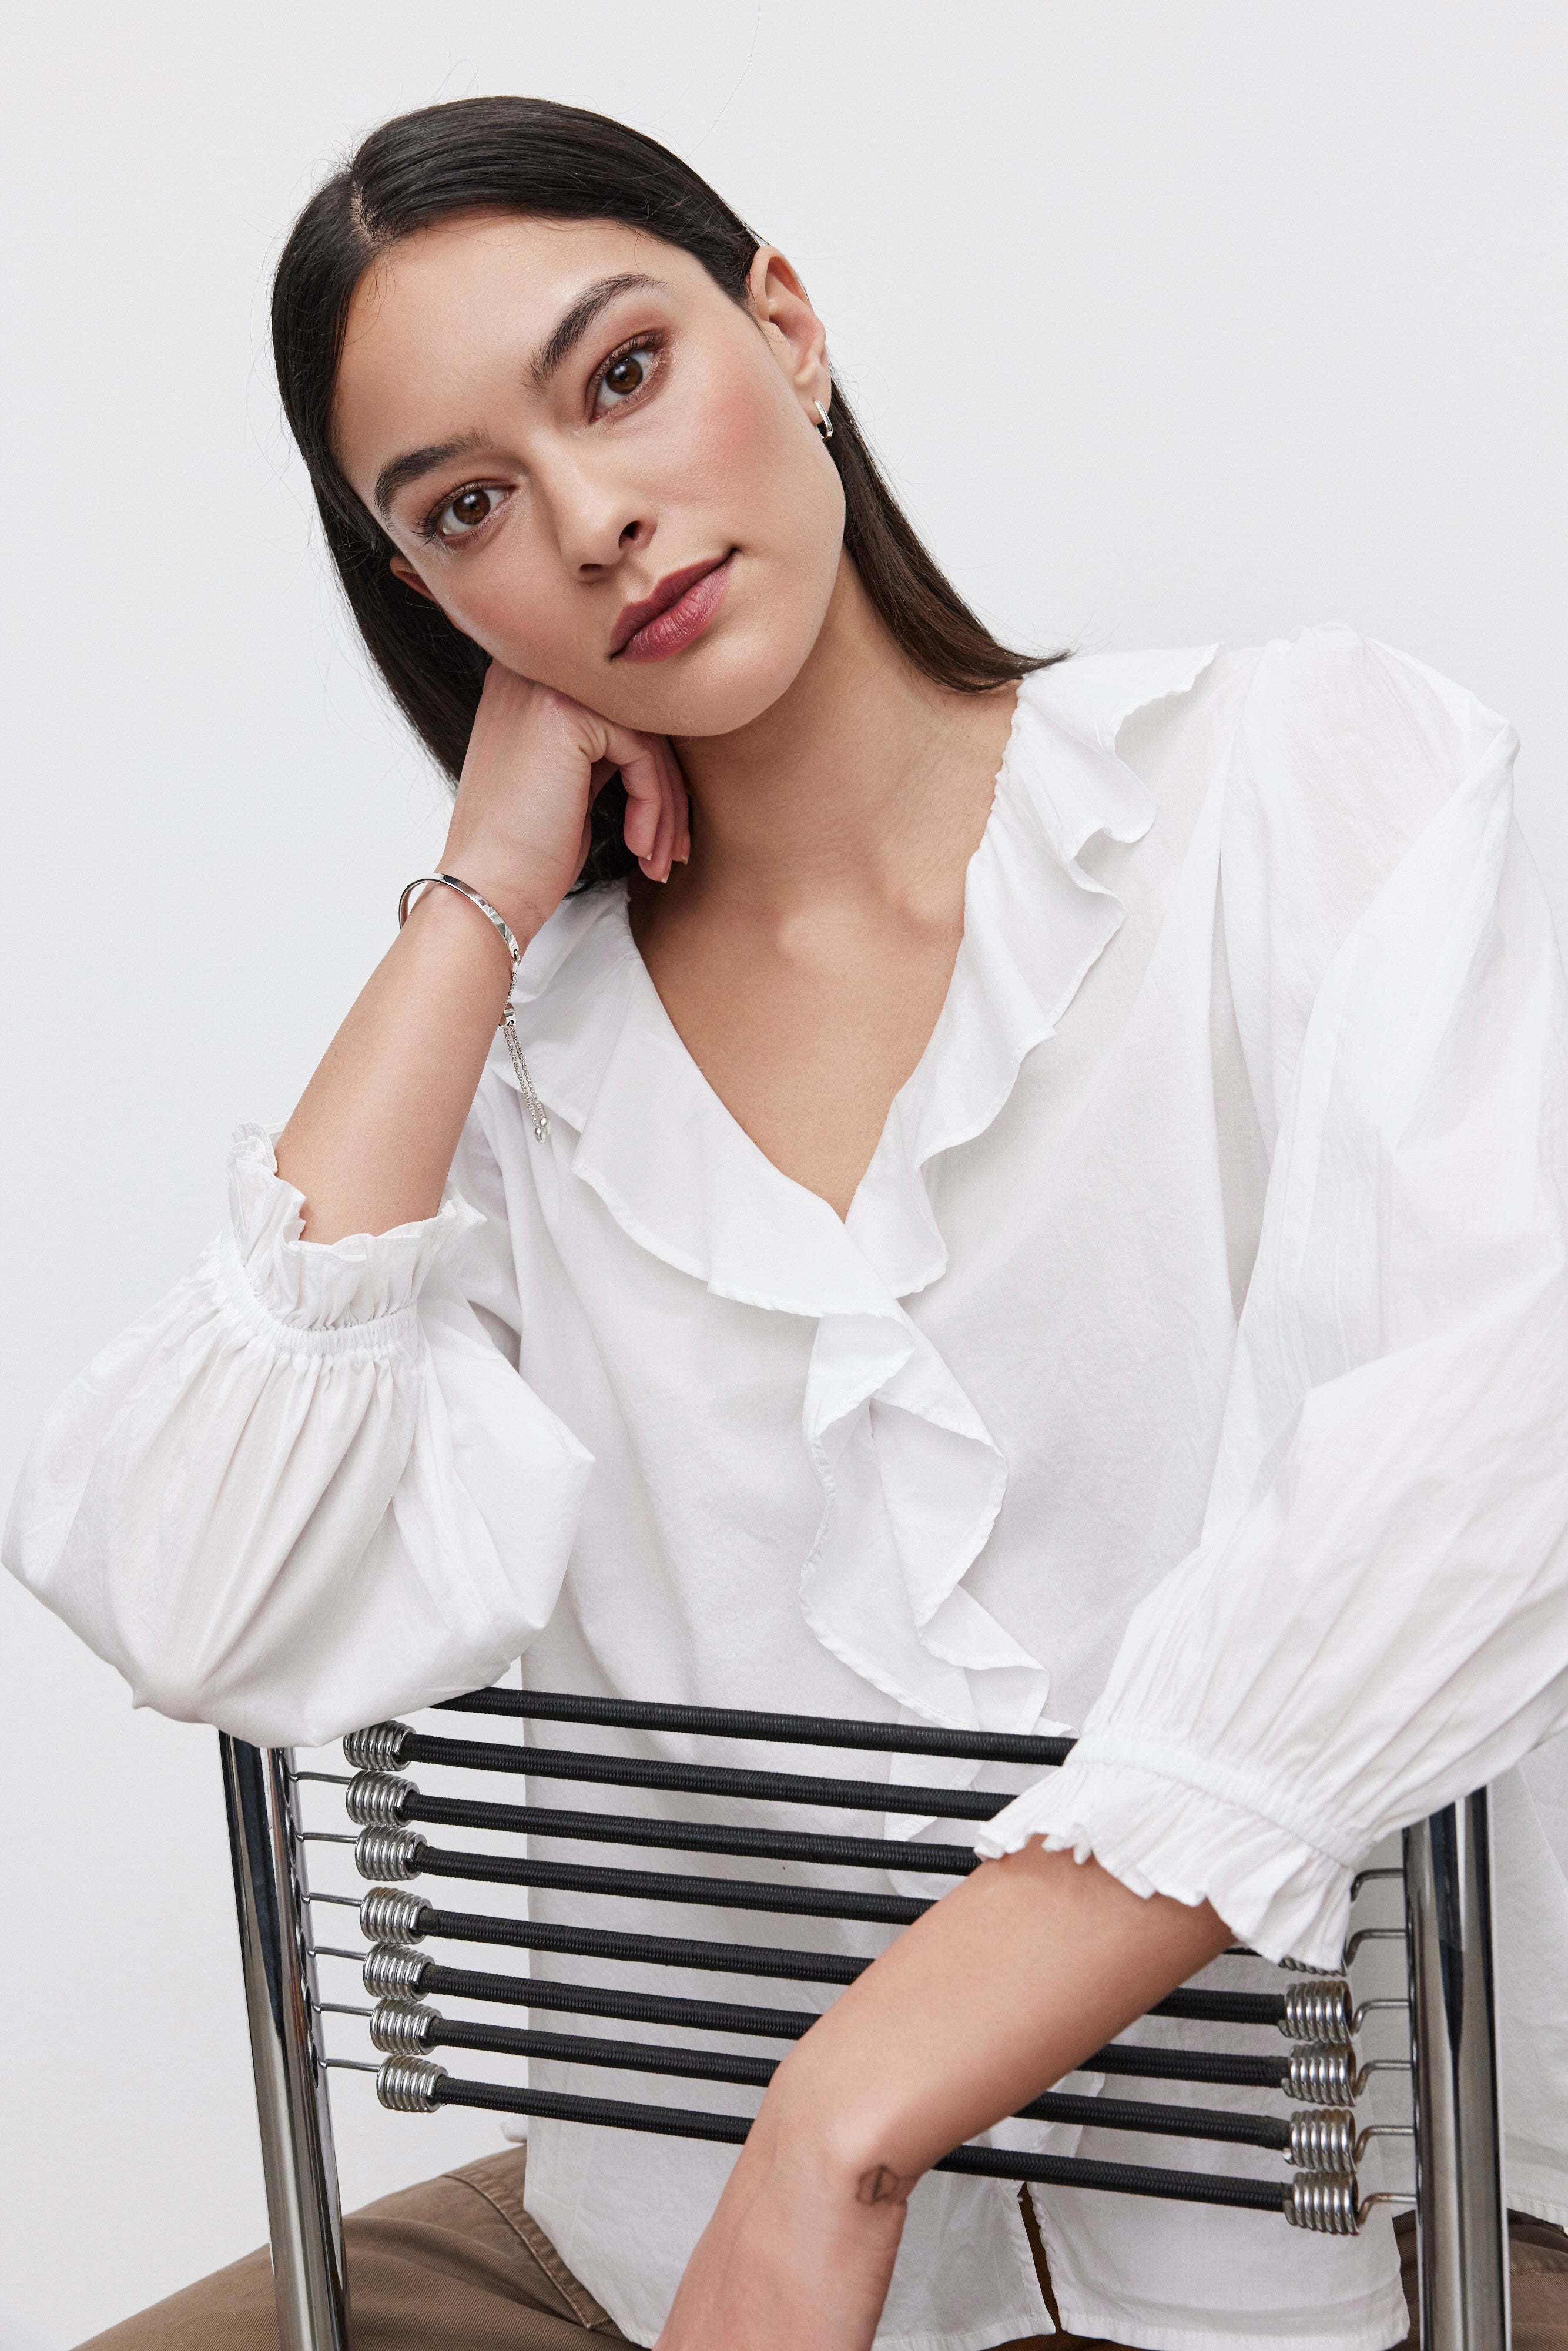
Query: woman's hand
{"points": [[372, 1137], [536, 762], [1006, 1984]]}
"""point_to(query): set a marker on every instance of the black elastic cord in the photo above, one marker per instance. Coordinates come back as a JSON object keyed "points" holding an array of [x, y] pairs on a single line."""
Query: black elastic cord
{"points": [[1223, 2007], [702, 1779], [770, 1959], [1217, 2068], [662, 1886], [656, 1950], [1119, 2178], [756, 2073], [1220, 2069], [629, 2007], [794, 1901], [789, 1729], [1164, 2122], [991, 2163], [694, 1837], [624, 2056]]}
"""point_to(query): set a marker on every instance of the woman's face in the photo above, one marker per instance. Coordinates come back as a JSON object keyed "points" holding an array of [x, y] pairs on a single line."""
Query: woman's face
{"points": [[603, 470]]}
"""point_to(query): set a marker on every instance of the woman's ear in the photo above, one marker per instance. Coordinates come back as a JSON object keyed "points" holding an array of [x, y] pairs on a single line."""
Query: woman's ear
{"points": [[795, 335], [401, 568]]}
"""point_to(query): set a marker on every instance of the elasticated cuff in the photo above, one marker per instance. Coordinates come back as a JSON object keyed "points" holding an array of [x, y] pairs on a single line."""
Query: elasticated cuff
{"points": [[1159, 1836], [327, 1285]]}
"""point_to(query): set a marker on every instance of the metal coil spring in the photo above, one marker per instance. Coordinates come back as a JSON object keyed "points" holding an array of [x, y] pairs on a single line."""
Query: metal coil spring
{"points": [[407, 2084], [1323, 2139], [379, 1748], [402, 2028], [1328, 2204], [389, 1972], [388, 1916], [376, 1799], [1321, 2078], [1317, 2011], [388, 1853]]}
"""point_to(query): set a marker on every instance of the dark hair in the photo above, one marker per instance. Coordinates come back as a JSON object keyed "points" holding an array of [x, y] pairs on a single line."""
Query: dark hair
{"points": [[529, 156]]}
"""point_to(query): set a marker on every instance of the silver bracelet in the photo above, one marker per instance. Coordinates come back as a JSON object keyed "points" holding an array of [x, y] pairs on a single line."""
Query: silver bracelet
{"points": [[508, 940]]}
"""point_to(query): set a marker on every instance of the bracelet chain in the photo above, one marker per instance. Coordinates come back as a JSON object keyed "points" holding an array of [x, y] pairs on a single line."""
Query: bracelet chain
{"points": [[506, 1022]]}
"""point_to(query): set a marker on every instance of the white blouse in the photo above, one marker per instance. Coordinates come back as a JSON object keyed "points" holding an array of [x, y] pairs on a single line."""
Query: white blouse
{"points": [[1189, 1372]]}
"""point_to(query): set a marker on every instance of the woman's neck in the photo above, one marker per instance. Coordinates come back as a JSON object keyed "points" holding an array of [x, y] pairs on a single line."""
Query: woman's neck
{"points": [[864, 779], [804, 955]]}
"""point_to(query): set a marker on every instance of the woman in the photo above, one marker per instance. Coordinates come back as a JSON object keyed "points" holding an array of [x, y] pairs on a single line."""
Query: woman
{"points": [[1006, 1193]]}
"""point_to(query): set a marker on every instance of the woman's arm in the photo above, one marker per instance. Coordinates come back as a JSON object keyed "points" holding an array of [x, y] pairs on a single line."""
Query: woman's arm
{"points": [[1006, 1985], [1375, 1621], [373, 1138], [251, 1503]]}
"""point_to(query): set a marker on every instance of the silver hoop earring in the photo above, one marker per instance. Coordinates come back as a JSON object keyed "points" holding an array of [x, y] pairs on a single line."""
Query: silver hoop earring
{"points": [[826, 426]]}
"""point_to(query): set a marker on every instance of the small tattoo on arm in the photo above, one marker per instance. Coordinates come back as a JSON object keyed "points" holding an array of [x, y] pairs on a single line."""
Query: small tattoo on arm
{"points": [[882, 2186]]}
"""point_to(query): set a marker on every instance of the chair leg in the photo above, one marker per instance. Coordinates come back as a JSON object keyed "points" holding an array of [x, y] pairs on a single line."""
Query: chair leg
{"points": [[1461, 2215], [304, 2217]]}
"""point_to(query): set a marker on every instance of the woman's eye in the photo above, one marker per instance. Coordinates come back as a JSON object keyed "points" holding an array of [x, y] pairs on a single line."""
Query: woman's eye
{"points": [[466, 512], [625, 376]]}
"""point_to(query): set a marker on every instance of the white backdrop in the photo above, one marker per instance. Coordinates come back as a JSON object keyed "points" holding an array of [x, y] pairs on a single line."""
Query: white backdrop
{"points": [[1174, 319]]}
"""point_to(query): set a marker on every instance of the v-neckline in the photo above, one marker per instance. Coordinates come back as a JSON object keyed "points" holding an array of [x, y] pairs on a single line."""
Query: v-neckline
{"points": [[912, 1479], [649, 986]]}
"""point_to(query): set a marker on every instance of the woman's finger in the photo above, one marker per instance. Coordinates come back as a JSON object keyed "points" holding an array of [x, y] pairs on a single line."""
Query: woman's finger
{"points": [[664, 842], [681, 847], [672, 808], [649, 834], [640, 775]]}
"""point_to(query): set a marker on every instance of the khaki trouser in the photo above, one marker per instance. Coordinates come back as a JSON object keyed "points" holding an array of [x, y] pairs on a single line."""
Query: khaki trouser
{"points": [[456, 2265]]}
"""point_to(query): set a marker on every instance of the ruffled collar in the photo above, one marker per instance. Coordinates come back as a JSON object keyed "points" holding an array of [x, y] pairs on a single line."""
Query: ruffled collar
{"points": [[912, 1479]]}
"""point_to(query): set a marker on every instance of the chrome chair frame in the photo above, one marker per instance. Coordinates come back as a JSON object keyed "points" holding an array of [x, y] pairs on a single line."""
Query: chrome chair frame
{"points": [[1460, 2209]]}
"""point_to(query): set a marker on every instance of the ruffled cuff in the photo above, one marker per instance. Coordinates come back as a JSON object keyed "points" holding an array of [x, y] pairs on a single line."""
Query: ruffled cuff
{"points": [[1273, 1888], [326, 1285]]}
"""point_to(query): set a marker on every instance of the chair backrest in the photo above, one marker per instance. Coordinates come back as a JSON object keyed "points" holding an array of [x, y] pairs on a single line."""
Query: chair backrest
{"points": [[1444, 1921]]}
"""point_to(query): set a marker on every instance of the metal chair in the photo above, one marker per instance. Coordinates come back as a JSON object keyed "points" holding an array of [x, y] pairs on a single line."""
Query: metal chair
{"points": [[1447, 1928]]}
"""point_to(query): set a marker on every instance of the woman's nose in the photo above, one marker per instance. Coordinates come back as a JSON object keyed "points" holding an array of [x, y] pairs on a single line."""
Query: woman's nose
{"points": [[597, 523]]}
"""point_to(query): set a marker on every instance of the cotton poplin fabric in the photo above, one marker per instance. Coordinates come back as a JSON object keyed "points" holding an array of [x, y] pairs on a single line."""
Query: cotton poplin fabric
{"points": [[1189, 1373]]}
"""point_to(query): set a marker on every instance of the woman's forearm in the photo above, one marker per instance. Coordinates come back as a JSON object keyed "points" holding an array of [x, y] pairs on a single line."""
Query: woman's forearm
{"points": [[1005, 1986], [1009, 1983], [372, 1139], [373, 1135]]}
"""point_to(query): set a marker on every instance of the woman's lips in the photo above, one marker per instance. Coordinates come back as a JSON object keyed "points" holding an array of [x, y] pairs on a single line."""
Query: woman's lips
{"points": [[698, 593]]}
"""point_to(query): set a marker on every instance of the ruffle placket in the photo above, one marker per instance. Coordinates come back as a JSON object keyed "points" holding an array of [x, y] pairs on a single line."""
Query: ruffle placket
{"points": [[911, 1478]]}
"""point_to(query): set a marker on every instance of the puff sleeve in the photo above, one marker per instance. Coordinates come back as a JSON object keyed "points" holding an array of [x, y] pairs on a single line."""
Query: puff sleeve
{"points": [[1376, 1620], [309, 1488]]}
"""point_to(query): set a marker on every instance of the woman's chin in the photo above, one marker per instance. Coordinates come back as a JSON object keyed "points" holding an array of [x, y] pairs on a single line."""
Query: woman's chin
{"points": [[710, 689]]}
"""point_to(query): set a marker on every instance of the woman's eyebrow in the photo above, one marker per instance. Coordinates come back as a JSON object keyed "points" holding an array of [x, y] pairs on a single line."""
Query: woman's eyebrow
{"points": [[399, 472], [573, 325], [576, 322]]}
